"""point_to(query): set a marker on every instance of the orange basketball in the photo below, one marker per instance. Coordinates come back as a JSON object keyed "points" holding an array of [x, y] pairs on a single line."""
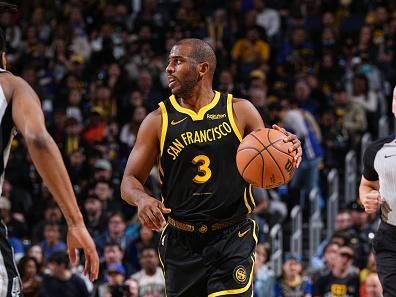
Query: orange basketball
{"points": [[263, 159]]}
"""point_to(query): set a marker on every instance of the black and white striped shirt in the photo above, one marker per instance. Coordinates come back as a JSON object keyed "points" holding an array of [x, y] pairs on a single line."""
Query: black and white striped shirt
{"points": [[7, 131], [379, 164]]}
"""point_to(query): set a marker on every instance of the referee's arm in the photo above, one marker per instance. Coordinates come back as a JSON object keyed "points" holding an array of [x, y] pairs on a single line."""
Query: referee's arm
{"points": [[369, 195], [369, 185]]}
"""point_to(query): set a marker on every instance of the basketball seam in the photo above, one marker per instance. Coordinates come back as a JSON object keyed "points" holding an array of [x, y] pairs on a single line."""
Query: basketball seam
{"points": [[280, 169], [271, 144], [251, 160]]}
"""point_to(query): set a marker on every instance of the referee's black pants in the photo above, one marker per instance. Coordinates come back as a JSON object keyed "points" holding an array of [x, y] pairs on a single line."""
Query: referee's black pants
{"points": [[385, 257]]}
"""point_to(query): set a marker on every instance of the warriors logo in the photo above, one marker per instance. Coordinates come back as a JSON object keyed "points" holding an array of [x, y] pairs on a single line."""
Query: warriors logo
{"points": [[240, 275]]}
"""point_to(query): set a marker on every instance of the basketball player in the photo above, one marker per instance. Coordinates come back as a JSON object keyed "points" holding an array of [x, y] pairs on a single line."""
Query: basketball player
{"points": [[207, 246], [378, 187], [20, 111]]}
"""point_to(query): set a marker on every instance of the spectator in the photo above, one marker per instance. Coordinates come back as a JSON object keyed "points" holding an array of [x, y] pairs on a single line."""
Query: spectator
{"points": [[36, 252], [291, 282], [52, 240], [360, 234], [250, 52], [113, 284], [94, 130], [258, 97], [61, 282], [362, 95], [95, 218], [132, 288], [343, 223], [16, 227], [103, 170], [29, 273], [150, 279], [373, 286], [129, 131], [227, 83], [72, 140], [267, 18], [340, 280], [52, 215], [352, 116], [306, 176], [115, 232], [365, 272], [325, 264], [113, 253], [264, 277], [146, 238], [103, 188]]}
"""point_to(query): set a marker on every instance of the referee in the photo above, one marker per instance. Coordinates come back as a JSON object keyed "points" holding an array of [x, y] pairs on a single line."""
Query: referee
{"points": [[378, 187]]}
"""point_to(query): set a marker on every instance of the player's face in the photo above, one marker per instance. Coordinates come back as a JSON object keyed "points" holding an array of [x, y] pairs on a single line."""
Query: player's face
{"points": [[182, 70]]}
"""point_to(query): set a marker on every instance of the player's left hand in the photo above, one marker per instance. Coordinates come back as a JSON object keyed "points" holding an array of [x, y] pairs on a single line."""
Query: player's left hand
{"points": [[78, 237], [290, 137]]}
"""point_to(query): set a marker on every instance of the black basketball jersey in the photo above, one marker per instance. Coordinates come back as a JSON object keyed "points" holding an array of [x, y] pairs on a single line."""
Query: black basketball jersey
{"points": [[199, 176]]}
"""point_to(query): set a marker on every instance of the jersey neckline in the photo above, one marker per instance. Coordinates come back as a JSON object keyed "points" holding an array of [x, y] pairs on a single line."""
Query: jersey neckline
{"points": [[196, 116]]}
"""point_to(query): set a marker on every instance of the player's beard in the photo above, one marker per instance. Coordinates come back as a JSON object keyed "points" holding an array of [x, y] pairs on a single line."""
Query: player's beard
{"points": [[187, 85]]}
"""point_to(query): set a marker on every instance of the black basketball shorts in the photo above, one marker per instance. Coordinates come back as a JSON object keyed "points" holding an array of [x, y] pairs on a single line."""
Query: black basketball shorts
{"points": [[10, 284], [217, 263]]}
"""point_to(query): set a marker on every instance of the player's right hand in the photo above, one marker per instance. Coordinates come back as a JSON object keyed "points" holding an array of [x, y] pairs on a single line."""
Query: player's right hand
{"points": [[150, 213], [78, 237], [371, 201]]}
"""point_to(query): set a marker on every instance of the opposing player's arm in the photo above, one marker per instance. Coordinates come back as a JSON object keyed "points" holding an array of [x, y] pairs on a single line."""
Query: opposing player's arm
{"points": [[140, 162], [29, 120]]}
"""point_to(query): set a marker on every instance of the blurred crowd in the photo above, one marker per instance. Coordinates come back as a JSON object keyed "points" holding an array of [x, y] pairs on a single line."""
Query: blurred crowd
{"points": [[322, 69]]}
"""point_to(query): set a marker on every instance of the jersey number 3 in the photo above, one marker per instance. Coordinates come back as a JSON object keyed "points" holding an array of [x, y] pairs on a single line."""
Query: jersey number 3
{"points": [[204, 172]]}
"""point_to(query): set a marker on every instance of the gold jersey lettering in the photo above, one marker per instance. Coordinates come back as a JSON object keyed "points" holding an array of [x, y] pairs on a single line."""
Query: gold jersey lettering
{"points": [[176, 146], [202, 133], [196, 137], [227, 127], [189, 137], [175, 149]]}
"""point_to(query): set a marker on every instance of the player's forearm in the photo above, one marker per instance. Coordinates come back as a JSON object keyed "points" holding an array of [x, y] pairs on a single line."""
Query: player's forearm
{"points": [[48, 162], [132, 190]]}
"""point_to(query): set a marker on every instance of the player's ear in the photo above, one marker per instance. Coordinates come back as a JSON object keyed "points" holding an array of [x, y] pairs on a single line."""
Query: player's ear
{"points": [[203, 68]]}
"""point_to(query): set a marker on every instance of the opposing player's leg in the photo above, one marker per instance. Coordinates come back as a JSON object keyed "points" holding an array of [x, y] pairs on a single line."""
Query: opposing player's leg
{"points": [[385, 256], [10, 284], [232, 273]]}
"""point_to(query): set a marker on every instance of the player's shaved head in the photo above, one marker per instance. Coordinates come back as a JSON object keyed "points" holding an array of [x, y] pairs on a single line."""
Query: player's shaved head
{"points": [[201, 51]]}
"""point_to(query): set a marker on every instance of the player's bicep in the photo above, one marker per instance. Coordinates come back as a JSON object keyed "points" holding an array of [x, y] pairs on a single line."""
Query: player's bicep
{"points": [[26, 109], [146, 149], [247, 117]]}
